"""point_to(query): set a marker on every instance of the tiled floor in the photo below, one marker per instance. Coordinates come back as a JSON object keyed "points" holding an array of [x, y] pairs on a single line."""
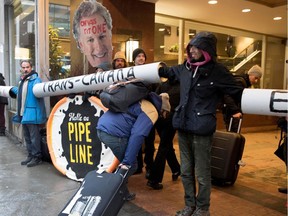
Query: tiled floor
{"points": [[254, 193], [42, 190]]}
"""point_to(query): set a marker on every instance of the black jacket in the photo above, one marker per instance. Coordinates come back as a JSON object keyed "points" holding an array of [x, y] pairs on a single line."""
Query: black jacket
{"points": [[3, 100], [229, 105], [199, 96]]}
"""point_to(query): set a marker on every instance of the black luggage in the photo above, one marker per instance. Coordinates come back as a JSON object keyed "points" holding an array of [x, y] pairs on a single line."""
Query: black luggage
{"points": [[99, 195], [226, 154]]}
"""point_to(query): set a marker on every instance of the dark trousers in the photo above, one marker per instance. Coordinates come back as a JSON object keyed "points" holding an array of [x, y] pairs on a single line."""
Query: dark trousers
{"points": [[2, 118], [32, 138], [165, 151], [149, 149]]}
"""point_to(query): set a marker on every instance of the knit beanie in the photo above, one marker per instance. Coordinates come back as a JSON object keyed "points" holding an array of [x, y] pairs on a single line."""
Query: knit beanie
{"points": [[165, 102], [136, 52], [255, 71], [205, 41]]}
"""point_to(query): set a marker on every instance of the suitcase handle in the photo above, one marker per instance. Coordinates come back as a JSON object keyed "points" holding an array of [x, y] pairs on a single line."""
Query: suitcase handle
{"points": [[239, 125], [123, 171]]}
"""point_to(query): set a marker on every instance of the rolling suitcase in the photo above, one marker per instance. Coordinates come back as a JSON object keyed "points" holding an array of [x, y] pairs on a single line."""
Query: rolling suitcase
{"points": [[99, 195], [226, 154]]}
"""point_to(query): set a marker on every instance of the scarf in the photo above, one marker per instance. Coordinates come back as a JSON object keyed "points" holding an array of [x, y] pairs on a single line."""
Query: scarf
{"points": [[206, 56], [20, 91]]}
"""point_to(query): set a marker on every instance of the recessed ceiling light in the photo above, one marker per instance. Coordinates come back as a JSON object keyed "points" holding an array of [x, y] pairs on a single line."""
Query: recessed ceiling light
{"points": [[277, 18], [212, 2], [246, 10]]}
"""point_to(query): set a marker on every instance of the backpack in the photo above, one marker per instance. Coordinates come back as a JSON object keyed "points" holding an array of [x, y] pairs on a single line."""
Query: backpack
{"points": [[120, 95]]}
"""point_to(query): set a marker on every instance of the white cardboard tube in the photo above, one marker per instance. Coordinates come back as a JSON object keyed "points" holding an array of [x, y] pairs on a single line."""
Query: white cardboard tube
{"points": [[5, 90], [96, 81], [272, 102]]}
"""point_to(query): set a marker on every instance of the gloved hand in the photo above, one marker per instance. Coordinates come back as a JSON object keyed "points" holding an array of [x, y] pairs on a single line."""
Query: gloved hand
{"points": [[13, 92]]}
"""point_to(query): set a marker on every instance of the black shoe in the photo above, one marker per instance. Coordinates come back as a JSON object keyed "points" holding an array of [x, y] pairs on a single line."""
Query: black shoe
{"points": [[130, 196], [28, 159], [155, 185], [282, 190], [34, 162], [175, 176], [2, 133]]}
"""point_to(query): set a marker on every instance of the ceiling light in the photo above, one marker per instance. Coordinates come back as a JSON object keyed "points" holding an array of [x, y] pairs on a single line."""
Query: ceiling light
{"points": [[277, 18], [212, 2], [161, 29], [246, 10]]}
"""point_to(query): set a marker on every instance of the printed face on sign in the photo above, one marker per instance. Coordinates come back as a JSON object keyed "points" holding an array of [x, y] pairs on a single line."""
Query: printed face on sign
{"points": [[95, 40]]}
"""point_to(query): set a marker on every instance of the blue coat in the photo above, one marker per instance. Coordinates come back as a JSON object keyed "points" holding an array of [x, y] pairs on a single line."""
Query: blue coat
{"points": [[34, 108], [135, 125]]}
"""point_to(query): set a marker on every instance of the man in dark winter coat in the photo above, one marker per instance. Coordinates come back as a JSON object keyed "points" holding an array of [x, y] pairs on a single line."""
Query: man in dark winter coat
{"points": [[203, 82], [3, 102], [230, 109]]}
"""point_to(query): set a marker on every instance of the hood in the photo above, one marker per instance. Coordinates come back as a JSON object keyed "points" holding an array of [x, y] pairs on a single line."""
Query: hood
{"points": [[205, 41]]}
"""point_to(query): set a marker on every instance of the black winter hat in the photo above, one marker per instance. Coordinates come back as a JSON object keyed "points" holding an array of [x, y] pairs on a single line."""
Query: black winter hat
{"points": [[136, 52], [205, 41]]}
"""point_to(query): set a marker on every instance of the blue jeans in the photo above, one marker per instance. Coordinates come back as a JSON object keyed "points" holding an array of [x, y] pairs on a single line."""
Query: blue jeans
{"points": [[195, 155], [32, 138], [118, 146]]}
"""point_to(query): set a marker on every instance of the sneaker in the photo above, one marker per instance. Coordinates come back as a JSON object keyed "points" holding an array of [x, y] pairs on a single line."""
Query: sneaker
{"points": [[201, 212], [34, 162], [175, 176], [28, 159], [130, 196], [187, 211], [155, 185]]}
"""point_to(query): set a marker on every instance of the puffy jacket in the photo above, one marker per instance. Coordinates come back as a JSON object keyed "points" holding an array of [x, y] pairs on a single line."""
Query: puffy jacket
{"points": [[34, 108], [135, 124], [199, 95]]}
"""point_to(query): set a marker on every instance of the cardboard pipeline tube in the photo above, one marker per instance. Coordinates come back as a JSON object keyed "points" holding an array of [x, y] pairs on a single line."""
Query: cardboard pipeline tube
{"points": [[271, 102], [97, 81], [5, 91]]}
